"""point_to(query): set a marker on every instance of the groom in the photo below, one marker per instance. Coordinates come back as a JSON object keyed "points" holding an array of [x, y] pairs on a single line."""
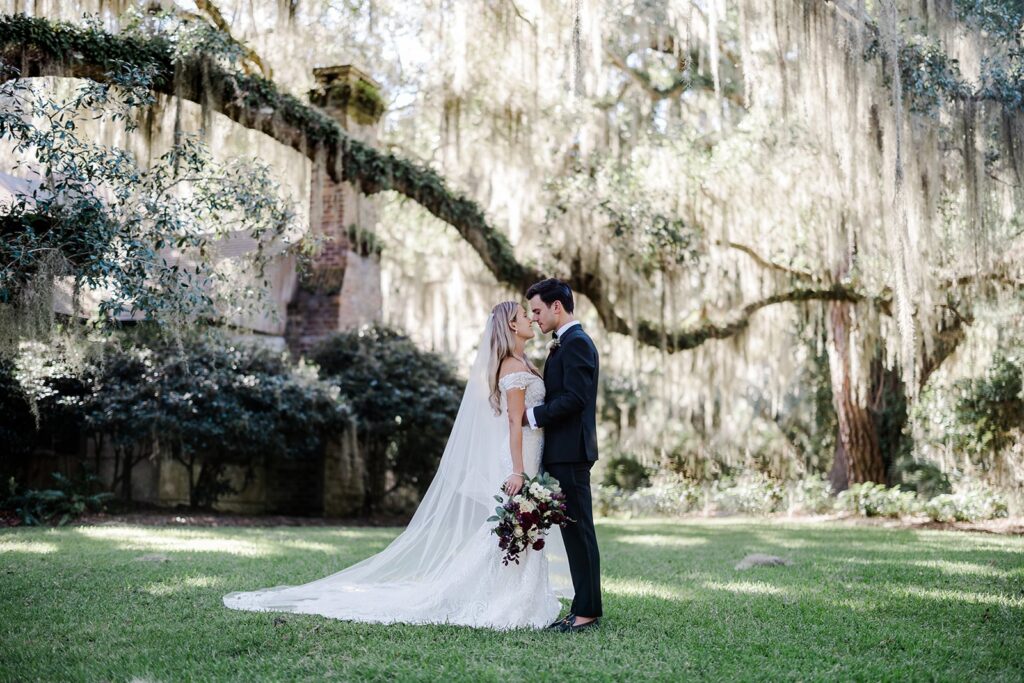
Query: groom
{"points": [[569, 420]]}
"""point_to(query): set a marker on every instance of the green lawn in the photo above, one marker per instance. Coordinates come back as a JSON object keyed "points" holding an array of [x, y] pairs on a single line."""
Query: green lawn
{"points": [[856, 604]]}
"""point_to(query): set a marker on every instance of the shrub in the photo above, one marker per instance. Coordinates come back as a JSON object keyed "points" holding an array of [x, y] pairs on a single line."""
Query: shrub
{"points": [[404, 399], [813, 494], [990, 409], [212, 403], [626, 473], [924, 478], [69, 499], [669, 494], [752, 492], [608, 500], [17, 425], [970, 505], [876, 500]]}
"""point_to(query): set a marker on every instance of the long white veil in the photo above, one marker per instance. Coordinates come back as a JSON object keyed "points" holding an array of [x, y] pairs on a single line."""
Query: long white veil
{"points": [[457, 503]]}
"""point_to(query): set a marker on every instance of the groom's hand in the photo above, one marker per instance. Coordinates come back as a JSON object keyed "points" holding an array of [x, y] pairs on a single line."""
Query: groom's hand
{"points": [[526, 420]]}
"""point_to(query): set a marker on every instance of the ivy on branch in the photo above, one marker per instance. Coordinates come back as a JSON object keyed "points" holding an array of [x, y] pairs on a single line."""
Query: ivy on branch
{"points": [[41, 48]]}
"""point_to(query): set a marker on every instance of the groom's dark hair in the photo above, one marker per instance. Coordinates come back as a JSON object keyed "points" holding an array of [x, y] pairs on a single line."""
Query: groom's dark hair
{"points": [[552, 290]]}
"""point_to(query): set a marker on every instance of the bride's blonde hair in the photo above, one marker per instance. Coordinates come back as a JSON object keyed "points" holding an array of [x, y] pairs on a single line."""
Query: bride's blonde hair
{"points": [[503, 342]]}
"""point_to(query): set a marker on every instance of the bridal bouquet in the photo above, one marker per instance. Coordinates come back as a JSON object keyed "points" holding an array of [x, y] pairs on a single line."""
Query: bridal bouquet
{"points": [[524, 519]]}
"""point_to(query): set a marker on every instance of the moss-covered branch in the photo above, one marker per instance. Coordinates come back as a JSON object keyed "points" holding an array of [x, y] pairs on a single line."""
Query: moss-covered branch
{"points": [[42, 48], [39, 47], [736, 322]]}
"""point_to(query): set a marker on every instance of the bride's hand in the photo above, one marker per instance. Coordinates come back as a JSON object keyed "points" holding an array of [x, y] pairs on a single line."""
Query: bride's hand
{"points": [[514, 484]]}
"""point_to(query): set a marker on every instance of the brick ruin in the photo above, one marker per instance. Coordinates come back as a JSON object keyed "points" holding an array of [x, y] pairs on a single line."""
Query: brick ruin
{"points": [[341, 291]]}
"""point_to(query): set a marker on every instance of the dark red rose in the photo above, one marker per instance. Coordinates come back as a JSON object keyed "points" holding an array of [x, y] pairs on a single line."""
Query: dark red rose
{"points": [[538, 544]]}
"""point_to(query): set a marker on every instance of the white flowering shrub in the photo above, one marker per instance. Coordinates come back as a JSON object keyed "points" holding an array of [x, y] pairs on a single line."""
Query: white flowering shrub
{"points": [[877, 500], [972, 504], [750, 492], [813, 495]]}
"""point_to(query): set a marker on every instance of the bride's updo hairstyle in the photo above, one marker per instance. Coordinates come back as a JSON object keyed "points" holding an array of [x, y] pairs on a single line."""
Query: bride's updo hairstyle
{"points": [[503, 342]]}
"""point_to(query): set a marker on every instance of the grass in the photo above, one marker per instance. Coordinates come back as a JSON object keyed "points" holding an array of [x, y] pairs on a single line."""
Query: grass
{"points": [[857, 603]]}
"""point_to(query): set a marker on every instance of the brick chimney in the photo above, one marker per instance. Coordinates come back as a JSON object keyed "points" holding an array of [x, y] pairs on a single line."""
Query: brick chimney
{"points": [[342, 290]]}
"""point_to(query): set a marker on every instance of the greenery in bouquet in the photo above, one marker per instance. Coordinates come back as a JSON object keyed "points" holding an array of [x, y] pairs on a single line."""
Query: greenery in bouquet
{"points": [[524, 519]]}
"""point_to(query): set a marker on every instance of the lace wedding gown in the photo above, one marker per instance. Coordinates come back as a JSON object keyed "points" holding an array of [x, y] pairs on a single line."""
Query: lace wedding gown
{"points": [[468, 585]]}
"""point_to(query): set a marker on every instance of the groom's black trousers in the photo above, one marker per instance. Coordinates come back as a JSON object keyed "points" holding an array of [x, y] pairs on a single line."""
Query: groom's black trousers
{"points": [[579, 537]]}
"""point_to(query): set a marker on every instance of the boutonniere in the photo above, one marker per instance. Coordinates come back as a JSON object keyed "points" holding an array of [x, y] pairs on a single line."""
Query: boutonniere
{"points": [[554, 344]]}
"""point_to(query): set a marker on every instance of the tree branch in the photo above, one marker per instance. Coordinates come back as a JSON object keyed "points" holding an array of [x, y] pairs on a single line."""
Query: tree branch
{"points": [[218, 20], [679, 84], [765, 263], [691, 337]]}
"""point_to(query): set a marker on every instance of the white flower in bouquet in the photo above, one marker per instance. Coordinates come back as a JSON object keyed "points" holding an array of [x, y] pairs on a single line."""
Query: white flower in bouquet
{"points": [[538, 507]]}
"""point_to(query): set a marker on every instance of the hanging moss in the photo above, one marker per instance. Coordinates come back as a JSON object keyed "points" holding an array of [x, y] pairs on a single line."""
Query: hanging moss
{"points": [[929, 77], [40, 47]]}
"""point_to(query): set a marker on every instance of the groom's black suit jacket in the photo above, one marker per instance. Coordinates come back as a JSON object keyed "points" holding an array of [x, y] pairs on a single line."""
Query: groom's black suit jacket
{"points": [[569, 412]]}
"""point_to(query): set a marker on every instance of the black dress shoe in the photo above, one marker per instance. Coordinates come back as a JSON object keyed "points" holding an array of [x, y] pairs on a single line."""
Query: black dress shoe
{"points": [[571, 627], [561, 622]]}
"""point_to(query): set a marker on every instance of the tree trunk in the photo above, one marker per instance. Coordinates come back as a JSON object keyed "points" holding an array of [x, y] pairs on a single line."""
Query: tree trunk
{"points": [[890, 412], [857, 452]]}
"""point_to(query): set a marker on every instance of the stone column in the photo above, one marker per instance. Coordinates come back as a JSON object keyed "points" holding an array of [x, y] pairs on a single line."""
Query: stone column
{"points": [[342, 290], [344, 477]]}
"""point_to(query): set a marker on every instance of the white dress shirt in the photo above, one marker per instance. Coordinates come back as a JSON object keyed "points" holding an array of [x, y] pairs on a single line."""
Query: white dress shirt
{"points": [[561, 331]]}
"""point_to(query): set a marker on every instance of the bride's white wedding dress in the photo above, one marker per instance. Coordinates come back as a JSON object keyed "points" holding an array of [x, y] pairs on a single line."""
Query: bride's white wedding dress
{"points": [[446, 567]]}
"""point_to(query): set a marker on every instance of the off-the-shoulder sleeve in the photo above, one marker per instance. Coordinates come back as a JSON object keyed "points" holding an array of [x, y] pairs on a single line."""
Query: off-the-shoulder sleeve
{"points": [[514, 380]]}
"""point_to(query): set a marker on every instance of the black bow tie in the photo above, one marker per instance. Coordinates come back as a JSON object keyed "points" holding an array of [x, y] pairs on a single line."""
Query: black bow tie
{"points": [[554, 335]]}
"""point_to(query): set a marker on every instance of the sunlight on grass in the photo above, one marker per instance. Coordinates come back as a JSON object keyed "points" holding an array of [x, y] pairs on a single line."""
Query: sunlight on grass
{"points": [[172, 540], [962, 568], [364, 534], [178, 585], [14, 545], [662, 540], [784, 542], [857, 604], [950, 567], [643, 588], [311, 545], [948, 594], [748, 587]]}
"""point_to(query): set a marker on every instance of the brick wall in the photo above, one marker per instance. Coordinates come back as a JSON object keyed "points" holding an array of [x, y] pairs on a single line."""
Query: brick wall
{"points": [[341, 290]]}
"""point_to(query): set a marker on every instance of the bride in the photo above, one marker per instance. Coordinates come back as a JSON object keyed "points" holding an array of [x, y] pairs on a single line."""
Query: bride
{"points": [[445, 567]]}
